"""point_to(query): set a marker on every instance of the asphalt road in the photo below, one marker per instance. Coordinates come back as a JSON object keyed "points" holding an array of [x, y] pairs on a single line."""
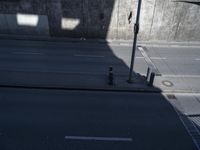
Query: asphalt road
{"points": [[176, 60], [93, 58], [52, 119]]}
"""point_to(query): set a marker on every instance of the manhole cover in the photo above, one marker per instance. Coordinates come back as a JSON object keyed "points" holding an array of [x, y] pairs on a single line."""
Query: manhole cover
{"points": [[167, 83]]}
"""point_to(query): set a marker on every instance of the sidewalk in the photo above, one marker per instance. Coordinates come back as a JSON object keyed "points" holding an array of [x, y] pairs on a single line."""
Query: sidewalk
{"points": [[80, 81], [98, 82], [178, 84]]}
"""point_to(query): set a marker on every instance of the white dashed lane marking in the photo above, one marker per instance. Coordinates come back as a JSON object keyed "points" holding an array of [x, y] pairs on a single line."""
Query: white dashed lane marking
{"points": [[154, 58], [158, 58], [119, 139], [91, 56], [27, 53]]}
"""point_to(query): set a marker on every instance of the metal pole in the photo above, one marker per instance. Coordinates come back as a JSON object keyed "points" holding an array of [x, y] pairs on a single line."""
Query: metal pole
{"points": [[152, 77], [136, 30]]}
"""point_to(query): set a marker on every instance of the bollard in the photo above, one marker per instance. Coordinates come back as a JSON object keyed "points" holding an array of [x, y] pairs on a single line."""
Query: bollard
{"points": [[148, 72], [110, 76], [152, 77]]}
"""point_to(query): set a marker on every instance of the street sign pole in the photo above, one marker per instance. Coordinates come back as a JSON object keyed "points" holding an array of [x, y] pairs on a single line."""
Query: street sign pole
{"points": [[136, 30]]}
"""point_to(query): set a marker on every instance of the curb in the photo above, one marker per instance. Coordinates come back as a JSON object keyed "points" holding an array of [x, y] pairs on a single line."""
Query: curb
{"points": [[100, 41], [105, 89]]}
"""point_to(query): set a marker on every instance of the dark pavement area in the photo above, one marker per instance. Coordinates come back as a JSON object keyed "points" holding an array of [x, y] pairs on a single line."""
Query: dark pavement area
{"points": [[66, 65], [65, 57], [42, 115], [86, 65], [49, 119]]}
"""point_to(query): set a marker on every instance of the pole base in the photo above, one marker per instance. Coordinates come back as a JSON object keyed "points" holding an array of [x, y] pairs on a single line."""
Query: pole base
{"points": [[130, 81]]}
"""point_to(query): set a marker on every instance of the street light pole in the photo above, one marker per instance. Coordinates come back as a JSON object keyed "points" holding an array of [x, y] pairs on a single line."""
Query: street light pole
{"points": [[136, 30]]}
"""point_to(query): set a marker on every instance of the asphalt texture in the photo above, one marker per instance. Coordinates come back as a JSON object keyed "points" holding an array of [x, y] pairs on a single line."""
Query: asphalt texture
{"points": [[73, 119], [50, 119], [66, 64], [87, 57], [177, 60], [92, 58]]}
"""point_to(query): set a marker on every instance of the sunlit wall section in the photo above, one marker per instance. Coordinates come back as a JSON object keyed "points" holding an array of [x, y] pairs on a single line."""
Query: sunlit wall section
{"points": [[161, 20]]}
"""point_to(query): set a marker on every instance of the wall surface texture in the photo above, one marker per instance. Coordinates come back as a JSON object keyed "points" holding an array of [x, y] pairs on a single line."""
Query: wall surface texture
{"points": [[161, 20]]}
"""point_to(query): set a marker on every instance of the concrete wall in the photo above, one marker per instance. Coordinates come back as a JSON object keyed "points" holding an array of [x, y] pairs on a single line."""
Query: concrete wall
{"points": [[161, 20], [170, 21]]}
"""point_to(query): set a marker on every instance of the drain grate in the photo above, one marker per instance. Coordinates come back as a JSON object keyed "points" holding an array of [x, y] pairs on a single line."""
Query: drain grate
{"points": [[171, 96], [195, 115]]}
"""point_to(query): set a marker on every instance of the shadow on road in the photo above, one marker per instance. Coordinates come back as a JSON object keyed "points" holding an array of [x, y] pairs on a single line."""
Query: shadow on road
{"points": [[35, 113], [66, 18]]}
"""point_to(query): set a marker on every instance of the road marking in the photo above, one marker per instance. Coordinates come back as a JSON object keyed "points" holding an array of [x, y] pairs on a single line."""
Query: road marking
{"points": [[124, 44], [182, 76], [119, 139], [93, 56], [148, 60], [158, 58], [27, 53], [155, 58], [139, 57], [197, 59]]}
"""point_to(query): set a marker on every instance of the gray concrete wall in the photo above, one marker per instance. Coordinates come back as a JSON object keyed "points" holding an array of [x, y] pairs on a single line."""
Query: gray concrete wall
{"points": [[161, 20]]}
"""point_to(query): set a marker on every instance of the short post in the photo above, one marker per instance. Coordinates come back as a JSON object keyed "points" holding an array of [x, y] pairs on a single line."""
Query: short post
{"points": [[148, 72], [152, 77], [110, 76]]}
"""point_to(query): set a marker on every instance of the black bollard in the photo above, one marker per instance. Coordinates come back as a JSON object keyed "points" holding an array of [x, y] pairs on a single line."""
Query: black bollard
{"points": [[148, 72], [152, 77], [110, 76]]}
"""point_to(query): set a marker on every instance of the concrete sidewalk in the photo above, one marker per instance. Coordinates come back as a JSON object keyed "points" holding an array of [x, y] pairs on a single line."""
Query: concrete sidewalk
{"points": [[72, 81], [178, 84]]}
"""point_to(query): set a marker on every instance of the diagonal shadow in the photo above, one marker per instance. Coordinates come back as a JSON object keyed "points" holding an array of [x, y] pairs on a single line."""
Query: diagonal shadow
{"points": [[149, 119], [85, 19], [190, 2]]}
